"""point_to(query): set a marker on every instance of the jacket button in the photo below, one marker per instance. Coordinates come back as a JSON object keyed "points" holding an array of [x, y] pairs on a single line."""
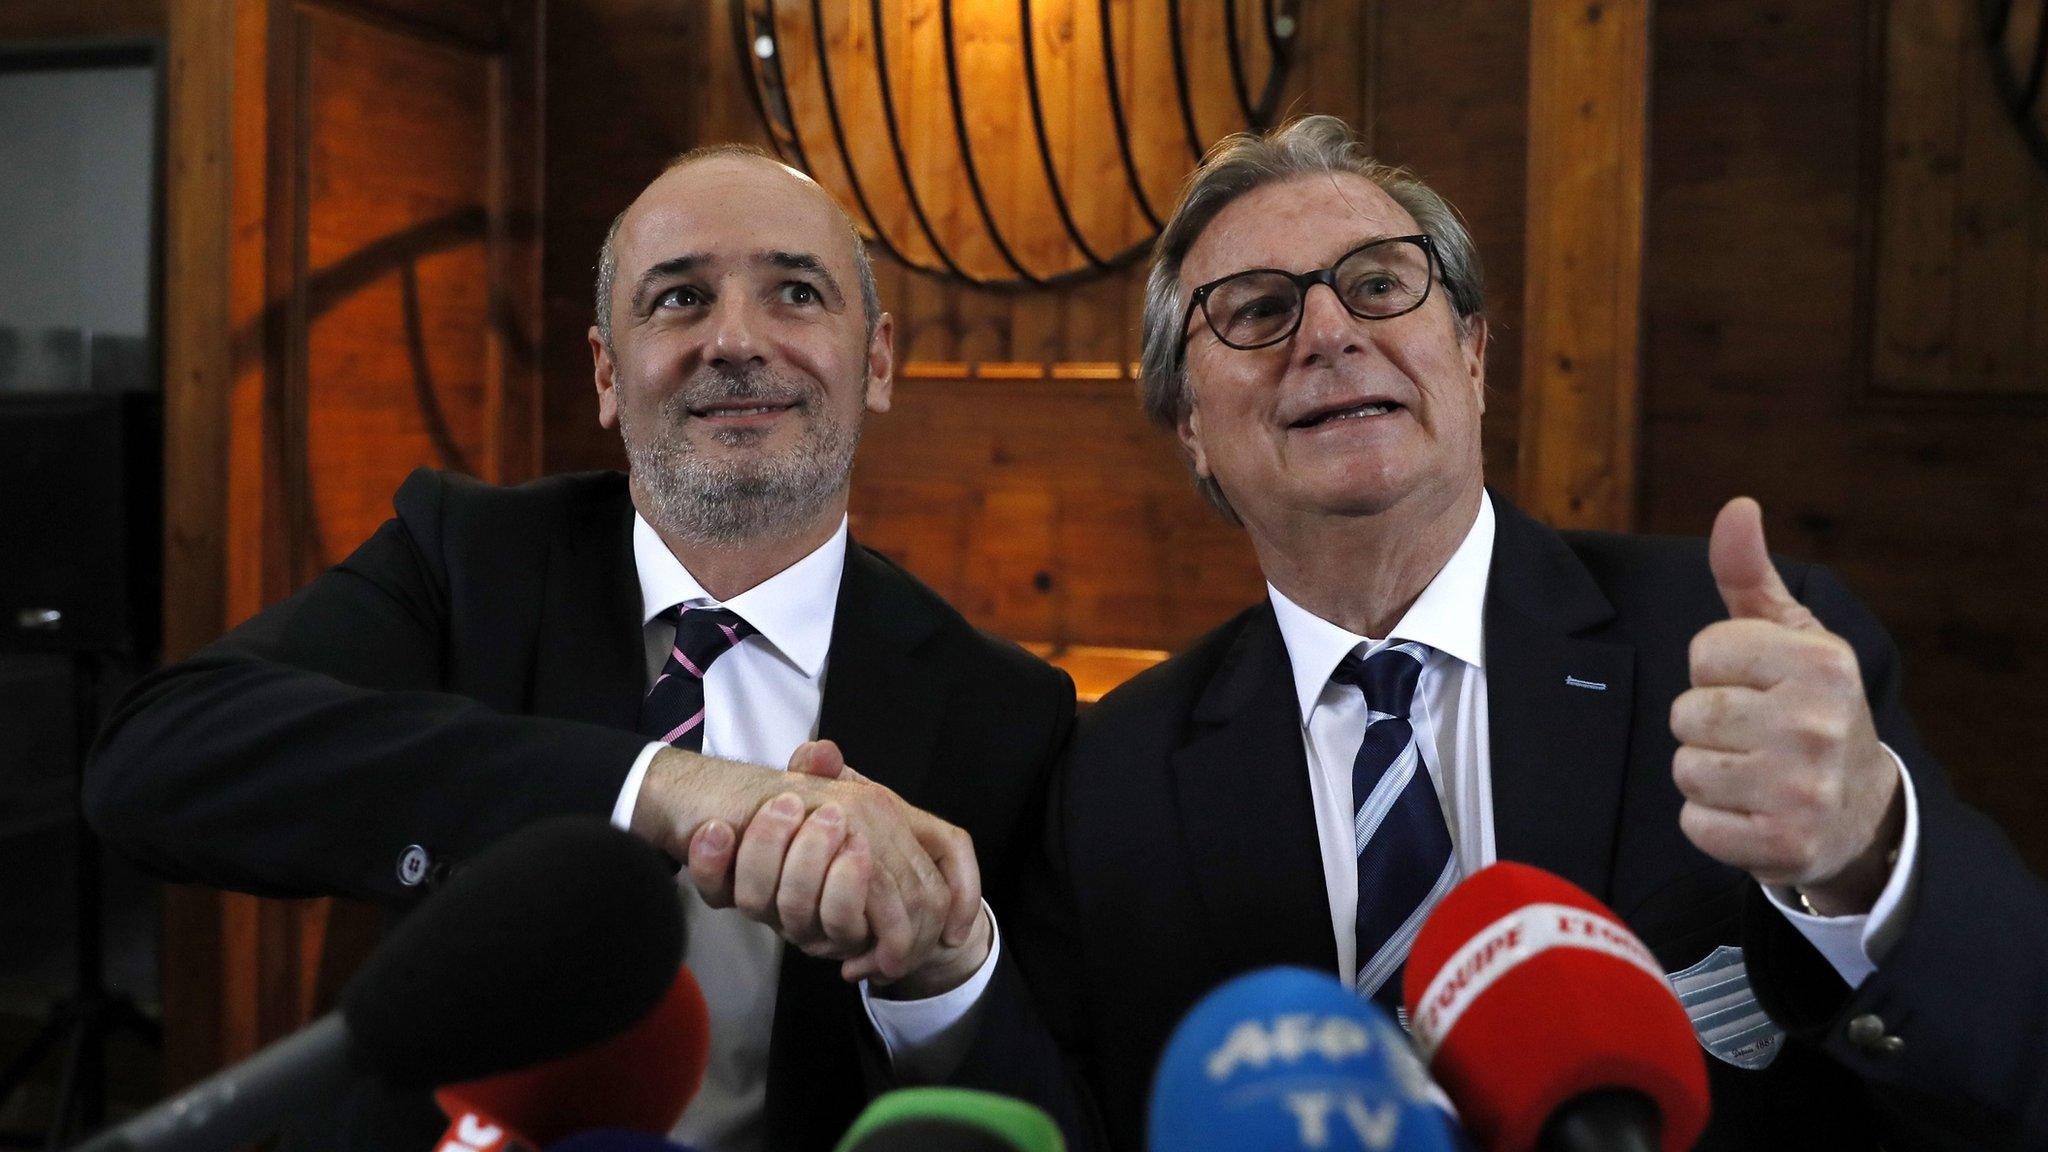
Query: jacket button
{"points": [[1866, 1030], [1888, 1046], [413, 866]]}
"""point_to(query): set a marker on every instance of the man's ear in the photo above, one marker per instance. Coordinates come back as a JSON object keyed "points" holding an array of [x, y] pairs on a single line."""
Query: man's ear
{"points": [[882, 364], [1189, 429], [607, 385], [1474, 345]]}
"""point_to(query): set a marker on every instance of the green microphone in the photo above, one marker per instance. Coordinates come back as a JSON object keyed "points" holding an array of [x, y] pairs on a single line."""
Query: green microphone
{"points": [[951, 1120]]}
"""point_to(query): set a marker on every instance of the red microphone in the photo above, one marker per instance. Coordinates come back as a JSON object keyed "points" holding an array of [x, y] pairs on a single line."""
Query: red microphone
{"points": [[639, 1080], [1549, 1023]]}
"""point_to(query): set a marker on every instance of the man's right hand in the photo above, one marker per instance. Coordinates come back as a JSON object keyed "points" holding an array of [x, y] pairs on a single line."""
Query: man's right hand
{"points": [[839, 865]]}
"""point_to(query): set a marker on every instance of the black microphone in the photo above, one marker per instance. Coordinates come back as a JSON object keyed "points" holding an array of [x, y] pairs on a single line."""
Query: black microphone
{"points": [[560, 936], [616, 1140]]}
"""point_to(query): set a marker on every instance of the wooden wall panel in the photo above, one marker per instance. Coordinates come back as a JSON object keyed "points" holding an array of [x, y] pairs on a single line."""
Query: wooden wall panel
{"points": [[630, 83], [1588, 73], [1770, 243], [482, 23], [1050, 506], [1448, 96], [323, 156], [395, 368], [1961, 200], [81, 19]]}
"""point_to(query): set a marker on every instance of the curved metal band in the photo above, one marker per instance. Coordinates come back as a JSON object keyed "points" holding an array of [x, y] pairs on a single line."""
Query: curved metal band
{"points": [[1280, 49], [1180, 79], [917, 213], [1237, 76], [781, 85], [2019, 98], [2036, 72], [768, 90], [839, 132], [1116, 117], [1052, 176], [988, 218], [743, 42]]}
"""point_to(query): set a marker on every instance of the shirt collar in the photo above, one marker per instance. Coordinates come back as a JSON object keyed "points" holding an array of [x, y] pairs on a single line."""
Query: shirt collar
{"points": [[792, 610], [1449, 616]]}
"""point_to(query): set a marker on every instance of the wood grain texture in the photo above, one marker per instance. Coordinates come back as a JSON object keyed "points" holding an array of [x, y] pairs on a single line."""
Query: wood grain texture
{"points": [[74, 20], [1049, 506], [1774, 167], [1469, 139], [393, 137], [200, 1032], [1959, 306], [1588, 73], [350, 261]]}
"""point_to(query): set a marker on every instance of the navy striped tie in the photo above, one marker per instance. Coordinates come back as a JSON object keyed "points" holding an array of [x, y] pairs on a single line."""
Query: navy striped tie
{"points": [[1405, 864]]}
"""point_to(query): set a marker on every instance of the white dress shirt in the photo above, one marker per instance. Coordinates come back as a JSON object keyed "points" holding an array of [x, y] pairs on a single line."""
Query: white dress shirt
{"points": [[761, 700], [1449, 716]]}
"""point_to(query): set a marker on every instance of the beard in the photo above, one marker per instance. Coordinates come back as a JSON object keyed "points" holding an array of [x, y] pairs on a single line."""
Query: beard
{"points": [[737, 498]]}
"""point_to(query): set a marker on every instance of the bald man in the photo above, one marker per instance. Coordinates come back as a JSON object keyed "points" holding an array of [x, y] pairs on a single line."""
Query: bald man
{"points": [[655, 647]]}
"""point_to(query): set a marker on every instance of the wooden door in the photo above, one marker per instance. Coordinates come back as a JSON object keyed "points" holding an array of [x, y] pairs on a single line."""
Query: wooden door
{"points": [[352, 292]]}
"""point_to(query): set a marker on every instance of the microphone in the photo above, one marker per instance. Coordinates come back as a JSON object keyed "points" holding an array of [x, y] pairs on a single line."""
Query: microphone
{"points": [[616, 1140], [561, 935], [1549, 1023], [951, 1120], [638, 1081], [1286, 1058]]}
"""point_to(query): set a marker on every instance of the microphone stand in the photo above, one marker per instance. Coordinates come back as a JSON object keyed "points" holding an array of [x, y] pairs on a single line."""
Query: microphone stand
{"points": [[92, 1012]]}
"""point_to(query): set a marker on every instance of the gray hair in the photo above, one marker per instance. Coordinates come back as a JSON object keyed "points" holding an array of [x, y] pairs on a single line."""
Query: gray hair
{"points": [[1240, 164], [608, 255]]}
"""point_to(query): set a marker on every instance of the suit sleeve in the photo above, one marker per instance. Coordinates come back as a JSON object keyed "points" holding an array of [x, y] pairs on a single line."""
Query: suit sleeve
{"points": [[308, 750], [1029, 1040], [1963, 992]]}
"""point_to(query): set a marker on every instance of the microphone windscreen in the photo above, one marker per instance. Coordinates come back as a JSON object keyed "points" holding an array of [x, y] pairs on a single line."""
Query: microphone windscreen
{"points": [[1524, 992], [559, 936], [639, 1081], [1286, 1058], [951, 1120], [616, 1140]]}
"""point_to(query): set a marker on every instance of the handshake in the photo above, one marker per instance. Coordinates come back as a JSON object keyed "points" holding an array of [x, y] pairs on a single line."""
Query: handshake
{"points": [[838, 865]]}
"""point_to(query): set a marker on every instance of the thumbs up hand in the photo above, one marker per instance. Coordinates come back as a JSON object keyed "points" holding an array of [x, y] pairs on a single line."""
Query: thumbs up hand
{"points": [[1779, 761]]}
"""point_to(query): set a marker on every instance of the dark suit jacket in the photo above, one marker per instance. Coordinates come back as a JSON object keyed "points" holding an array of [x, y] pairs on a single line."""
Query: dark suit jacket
{"points": [[477, 665], [1183, 851]]}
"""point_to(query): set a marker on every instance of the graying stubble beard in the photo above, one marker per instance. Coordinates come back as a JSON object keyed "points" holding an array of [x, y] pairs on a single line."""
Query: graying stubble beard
{"points": [[684, 495]]}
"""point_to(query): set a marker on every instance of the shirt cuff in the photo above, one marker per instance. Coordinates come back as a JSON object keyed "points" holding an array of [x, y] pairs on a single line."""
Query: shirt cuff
{"points": [[1856, 945], [629, 792], [926, 1039]]}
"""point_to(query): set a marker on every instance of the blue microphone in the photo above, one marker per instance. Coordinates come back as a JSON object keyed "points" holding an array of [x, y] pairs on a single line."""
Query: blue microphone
{"points": [[1289, 1060], [616, 1140]]}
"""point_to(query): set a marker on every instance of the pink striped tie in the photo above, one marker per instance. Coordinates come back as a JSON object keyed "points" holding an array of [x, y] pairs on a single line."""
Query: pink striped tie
{"points": [[673, 711]]}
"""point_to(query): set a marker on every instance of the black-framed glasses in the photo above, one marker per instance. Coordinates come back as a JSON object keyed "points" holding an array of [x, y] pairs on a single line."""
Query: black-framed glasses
{"points": [[1262, 306]]}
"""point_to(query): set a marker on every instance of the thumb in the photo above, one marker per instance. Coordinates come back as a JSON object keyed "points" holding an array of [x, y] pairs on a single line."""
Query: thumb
{"points": [[1749, 583], [820, 758]]}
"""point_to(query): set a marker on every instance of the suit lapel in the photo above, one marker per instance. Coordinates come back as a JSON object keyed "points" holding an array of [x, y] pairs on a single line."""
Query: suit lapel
{"points": [[590, 662], [1246, 811], [883, 707], [1559, 706]]}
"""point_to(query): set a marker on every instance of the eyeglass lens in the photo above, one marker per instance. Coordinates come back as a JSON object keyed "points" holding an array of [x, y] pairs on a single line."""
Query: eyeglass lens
{"points": [[1379, 280]]}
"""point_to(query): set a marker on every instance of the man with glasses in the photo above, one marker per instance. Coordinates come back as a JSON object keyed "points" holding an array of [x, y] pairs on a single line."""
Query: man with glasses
{"points": [[1709, 742]]}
